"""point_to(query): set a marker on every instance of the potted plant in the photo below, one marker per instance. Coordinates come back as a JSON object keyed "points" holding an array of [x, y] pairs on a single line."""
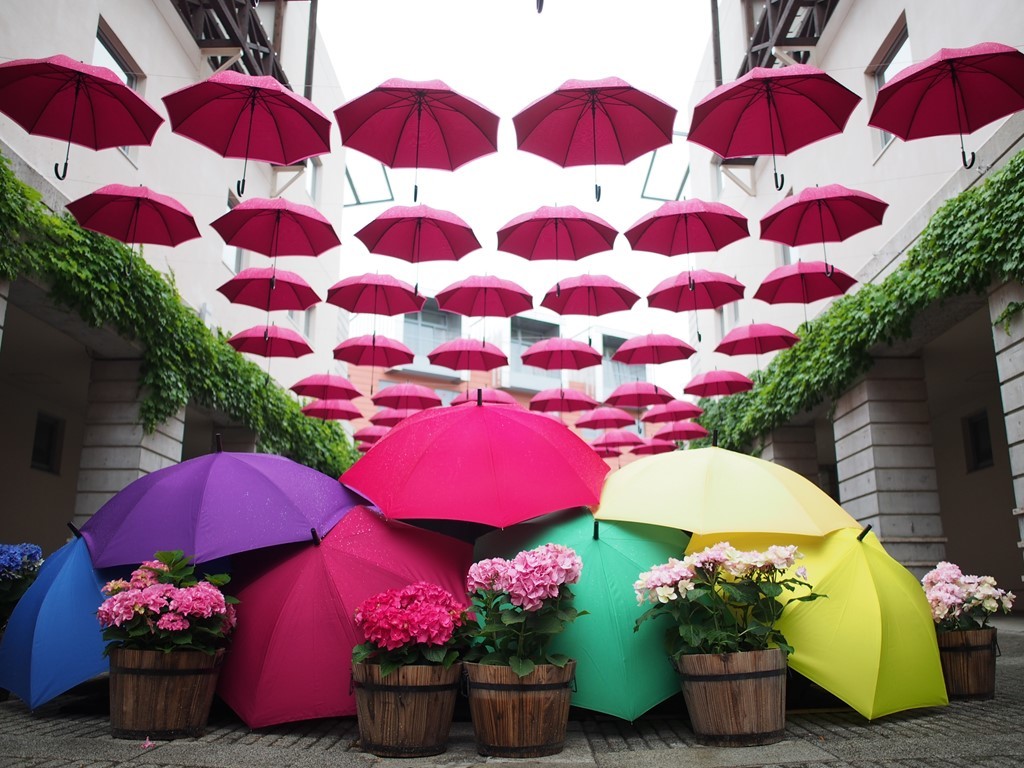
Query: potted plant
{"points": [[961, 606], [723, 605], [167, 630], [406, 674], [519, 692], [19, 564]]}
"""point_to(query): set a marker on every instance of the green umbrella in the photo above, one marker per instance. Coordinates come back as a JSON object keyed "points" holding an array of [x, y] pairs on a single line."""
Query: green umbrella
{"points": [[618, 671]]}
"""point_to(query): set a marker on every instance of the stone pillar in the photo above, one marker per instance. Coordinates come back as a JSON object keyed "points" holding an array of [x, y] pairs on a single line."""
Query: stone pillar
{"points": [[795, 448], [886, 463], [116, 450]]}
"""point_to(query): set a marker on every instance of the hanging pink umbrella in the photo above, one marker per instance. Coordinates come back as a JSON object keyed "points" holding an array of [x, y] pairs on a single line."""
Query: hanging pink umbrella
{"points": [[135, 215], [560, 354], [676, 410], [803, 283], [681, 430], [562, 232], [375, 295], [484, 296], [654, 348], [756, 339], [652, 446], [419, 233], [467, 355], [589, 295], [693, 290], [828, 214], [638, 394], [270, 341], [388, 417], [363, 447], [326, 386], [374, 350], [604, 417], [406, 395], [561, 400], [269, 288], [687, 226], [606, 451], [618, 438], [277, 227], [332, 410], [485, 395], [372, 433], [716, 382]]}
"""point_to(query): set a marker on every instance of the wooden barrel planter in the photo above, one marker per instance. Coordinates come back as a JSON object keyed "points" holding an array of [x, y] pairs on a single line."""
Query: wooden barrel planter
{"points": [[968, 658], [159, 695], [735, 699], [409, 712], [519, 716]]}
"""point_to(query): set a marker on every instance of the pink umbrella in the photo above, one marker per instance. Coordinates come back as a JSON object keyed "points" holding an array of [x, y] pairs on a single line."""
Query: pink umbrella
{"points": [[638, 394], [561, 354], [375, 295], [618, 438], [653, 348], [756, 339], [687, 226], [653, 445], [277, 227], [372, 433], [716, 382], [363, 447], [270, 341], [329, 386], [484, 296], [803, 283], [594, 122], [388, 417], [374, 351], [134, 215], [681, 430], [239, 115], [562, 232], [604, 417], [589, 295], [270, 289], [561, 400], [606, 451], [677, 410], [418, 233], [338, 410], [406, 395], [485, 395], [693, 290], [468, 355]]}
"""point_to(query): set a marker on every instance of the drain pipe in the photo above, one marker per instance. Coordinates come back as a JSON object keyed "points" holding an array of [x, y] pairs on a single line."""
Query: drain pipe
{"points": [[716, 43], [307, 88]]}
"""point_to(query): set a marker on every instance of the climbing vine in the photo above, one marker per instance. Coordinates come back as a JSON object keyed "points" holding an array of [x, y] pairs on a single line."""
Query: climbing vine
{"points": [[974, 240], [107, 284]]}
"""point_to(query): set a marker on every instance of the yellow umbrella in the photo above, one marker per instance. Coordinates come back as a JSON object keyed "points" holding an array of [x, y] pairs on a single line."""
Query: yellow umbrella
{"points": [[712, 490], [871, 642]]}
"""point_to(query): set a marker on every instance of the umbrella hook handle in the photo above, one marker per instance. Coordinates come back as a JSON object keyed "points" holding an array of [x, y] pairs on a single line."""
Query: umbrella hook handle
{"points": [[830, 269], [56, 168], [540, 5], [963, 154], [240, 186], [780, 181], [597, 192]]}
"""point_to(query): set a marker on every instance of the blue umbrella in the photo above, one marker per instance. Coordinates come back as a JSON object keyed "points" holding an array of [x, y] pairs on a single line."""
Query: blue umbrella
{"points": [[53, 640]]}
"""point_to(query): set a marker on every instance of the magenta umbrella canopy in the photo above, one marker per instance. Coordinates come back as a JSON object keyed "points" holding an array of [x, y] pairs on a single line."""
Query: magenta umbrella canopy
{"points": [[484, 296], [270, 341], [681, 430], [803, 283], [653, 348], [134, 215], [374, 350], [562, 232], [589, 295], [375, 295], [332, 410], [618, 438], [714, 383], [406, 395], [652, 446], [277, 227], [687, 226], [485, 395], [468, 355], [638, 394], [605, 451], [215, 505], [418, 233], [561, 400], [372, 433], [826, 214], [696, 289], [270, 289], [676, 410], [487, 464], [756, 339], [604, 417], [561, 354], [388, 417], [329, 386]]}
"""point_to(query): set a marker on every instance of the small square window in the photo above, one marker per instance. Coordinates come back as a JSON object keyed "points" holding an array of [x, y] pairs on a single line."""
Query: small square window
{"points": [[896, 58], [978, 442], [48, 443]]}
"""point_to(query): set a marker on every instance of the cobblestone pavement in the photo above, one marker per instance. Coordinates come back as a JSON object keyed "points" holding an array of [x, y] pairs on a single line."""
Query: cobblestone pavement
{"points": [[73, 732]]}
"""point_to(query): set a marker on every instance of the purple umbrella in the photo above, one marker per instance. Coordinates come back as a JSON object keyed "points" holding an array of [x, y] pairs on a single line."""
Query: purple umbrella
{"points": [[216, 505]]}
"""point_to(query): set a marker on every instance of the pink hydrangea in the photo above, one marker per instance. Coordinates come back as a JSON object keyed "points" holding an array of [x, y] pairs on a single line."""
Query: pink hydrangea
{"points": [[203, 599], [146, 574], [959, 600], [536, 575], [664, 582], [173, 622], [487, 575], [419, 614]]}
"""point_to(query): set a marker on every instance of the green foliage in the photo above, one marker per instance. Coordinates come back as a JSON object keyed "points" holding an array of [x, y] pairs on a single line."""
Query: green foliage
{"points": [[974, 240], [107, 284]]}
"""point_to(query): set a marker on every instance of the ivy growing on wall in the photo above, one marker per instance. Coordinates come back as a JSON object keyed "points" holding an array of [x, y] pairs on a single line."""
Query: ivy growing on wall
{"points": [[974, 240], [107, 284]]}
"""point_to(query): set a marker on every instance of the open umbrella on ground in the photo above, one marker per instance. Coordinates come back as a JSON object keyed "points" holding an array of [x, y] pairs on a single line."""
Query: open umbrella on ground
{"points": [[652, 446], [291, 655], [605, 417], [803, 283], [215, 505], [953, 91], [715, 491], [687, 226], [270, 341], [375, 295], [277, 227], [467, 355], [562, 232], [695, 289], [652, 349], [135, 215], [618, 671], [756, 339], [388, 417], [250, 117], [485, 395], [771, 111], [419, 233], [594, 122], [637, 394], [589, 295], [82, 104], [618, 438], [418, 124], [332, 410], [372, 433], [560, 354], [681, 430], [676, 410], [487, 464], [269, 288], [406, 395], [716, 382], [484, 296], [562, 400], [326, 386], [373, 350]]}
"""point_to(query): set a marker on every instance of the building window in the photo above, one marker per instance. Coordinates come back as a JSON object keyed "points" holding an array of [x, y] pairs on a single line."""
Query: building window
{"points": [[787, 254], [47, 444], [894, 57], [110, 53], [978, 442], [613, 372], [233, 256], [429, 328], [313, 178], [524, 334], [302, 320]]}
